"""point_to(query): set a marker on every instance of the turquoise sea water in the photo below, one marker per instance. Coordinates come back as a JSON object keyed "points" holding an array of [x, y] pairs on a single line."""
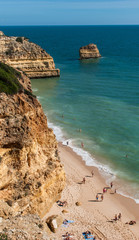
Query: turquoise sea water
{"points": [[100, 97]]}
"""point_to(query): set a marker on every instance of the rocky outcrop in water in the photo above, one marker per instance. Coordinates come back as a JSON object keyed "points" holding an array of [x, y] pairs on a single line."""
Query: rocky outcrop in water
{"points": [[31, 175], [89, 51], [21, 54]]}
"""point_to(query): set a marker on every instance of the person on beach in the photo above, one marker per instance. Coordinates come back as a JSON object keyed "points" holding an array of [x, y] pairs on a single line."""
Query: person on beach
{"points": [[119, 216], [67, 236], [92, 173], [67, 143], [104, 190], [62, 204], [82, 144], [87, 234], [97, 197], [115, 218], [56, 152], [65, 222], [111, 184], [102, 197], [131, 222], [83, 180]]}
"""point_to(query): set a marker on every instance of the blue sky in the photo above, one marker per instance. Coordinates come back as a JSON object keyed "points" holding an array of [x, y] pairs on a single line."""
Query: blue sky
{"points": [[69, 12]]}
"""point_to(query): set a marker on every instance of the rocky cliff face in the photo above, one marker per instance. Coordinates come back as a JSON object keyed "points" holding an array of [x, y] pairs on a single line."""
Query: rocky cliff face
{"points": [[21, 54], [31, 175], [89, 51], [27, 227]]}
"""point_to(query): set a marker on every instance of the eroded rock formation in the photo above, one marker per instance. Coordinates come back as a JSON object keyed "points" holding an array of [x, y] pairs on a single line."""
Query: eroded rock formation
{"points": [[89, 51], [31, 174], [21, 54]]}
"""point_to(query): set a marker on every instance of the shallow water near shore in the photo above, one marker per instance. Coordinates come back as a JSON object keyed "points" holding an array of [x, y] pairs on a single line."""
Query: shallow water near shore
{"points": [[100, 97]]}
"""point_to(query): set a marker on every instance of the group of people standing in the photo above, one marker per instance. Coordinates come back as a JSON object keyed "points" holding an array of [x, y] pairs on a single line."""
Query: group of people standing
{"points": [[118, 217], [104, 191], [101, 197]]}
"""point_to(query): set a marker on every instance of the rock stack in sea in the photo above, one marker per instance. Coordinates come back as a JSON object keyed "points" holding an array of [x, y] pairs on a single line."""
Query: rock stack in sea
{"points": [[89, 51], [26, 56], [31, 174]]}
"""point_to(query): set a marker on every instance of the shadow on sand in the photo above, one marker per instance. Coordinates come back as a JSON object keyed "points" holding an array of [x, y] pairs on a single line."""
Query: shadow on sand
{"points": [[93, 201]]}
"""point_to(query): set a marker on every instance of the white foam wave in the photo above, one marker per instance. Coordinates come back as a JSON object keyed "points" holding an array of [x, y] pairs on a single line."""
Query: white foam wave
{"points": [[128, 196], [35, 89], [39, 97], [57, 131], [136, 200], [105, 170], [108, 174]]}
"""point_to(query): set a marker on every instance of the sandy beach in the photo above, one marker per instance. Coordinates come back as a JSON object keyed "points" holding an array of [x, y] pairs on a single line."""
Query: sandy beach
{"points": [[92, 215]]}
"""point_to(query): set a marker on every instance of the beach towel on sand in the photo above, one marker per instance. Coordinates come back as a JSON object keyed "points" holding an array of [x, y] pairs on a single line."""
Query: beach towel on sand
{"points": [[67, 223], [64, 225], [89, 236]]}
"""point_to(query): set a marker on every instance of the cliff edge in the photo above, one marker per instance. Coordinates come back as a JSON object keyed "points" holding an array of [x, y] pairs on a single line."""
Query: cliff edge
{"points": [[89, 51], [31, 175], [26, 56]]}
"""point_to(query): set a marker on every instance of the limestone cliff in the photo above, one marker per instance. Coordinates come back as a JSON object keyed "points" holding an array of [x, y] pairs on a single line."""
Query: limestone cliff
{"points": [[27, 227], [31, 175], [21, 54], [89, 51]]}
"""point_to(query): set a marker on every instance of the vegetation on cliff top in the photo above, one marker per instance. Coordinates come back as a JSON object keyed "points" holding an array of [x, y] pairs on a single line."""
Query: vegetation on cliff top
{"points": [[3, 236], [19, 39], [9, 83]]}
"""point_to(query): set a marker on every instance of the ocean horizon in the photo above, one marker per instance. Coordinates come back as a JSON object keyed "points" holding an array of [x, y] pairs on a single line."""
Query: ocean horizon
{"points": [[67, 25], [95, 101]]}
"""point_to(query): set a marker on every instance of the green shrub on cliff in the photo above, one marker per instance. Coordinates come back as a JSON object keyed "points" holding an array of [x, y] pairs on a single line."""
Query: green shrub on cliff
{"points": [[3, 236], [8, 79], [9, 83], [19, 39]]}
